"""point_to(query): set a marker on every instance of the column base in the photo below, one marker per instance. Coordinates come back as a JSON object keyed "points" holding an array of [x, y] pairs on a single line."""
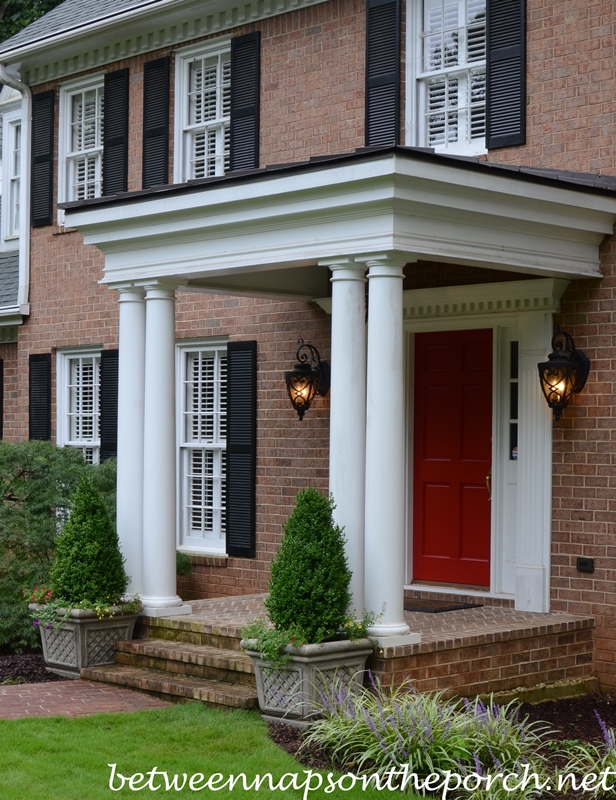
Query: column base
{"points": [[397, 641], [169, 611]]}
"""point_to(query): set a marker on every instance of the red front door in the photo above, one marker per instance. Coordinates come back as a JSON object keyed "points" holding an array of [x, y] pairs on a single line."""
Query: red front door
{"points": [[453, 457]]}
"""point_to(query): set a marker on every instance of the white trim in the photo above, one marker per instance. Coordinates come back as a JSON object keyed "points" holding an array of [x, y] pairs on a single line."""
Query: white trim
{"points": [[10, 120], [183, 59], [136, 32], [390, 202], [64, 118], [63, 357], [203, 546]]}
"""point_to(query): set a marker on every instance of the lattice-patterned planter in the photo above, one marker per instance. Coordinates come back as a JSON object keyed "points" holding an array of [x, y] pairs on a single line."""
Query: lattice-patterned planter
{"points": [[288, 691], [84, 640]]}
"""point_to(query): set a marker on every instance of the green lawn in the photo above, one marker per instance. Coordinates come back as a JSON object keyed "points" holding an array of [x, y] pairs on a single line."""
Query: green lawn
{"points": [[67, 759]]}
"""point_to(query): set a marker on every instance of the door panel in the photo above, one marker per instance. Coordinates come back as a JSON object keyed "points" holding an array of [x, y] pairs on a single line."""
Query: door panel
{"points": [[453, 454]]}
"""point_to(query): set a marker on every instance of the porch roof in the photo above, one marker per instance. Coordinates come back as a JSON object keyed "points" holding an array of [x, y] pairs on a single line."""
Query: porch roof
{"points": [[269, 231]]}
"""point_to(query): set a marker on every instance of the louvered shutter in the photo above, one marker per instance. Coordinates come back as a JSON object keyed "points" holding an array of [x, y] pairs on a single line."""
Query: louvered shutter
{"points": [[382, 72], [115, 136], [42, 159], [241, 447], [506, 73], [1, 398], [109, 404], [40, 396], [155, 122], [245, 91]]}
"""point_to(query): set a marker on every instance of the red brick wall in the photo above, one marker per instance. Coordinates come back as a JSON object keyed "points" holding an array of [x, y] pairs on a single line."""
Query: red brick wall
{"points": [[571, 84]]}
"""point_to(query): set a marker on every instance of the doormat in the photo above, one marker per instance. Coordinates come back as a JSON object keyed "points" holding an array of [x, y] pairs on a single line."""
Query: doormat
{"points": [[437, 606]]}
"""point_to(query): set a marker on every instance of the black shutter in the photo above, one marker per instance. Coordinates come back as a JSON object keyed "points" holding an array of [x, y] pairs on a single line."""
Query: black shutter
{"points": [[40, 396], [241, 447], [42, 159], [155, 122], [245, 92], [382, 72], [1, 397], [115, 137], [109, 404], [506, 73]]}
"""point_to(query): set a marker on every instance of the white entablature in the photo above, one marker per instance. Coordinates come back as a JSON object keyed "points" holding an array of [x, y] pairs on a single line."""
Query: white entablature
{"points": [[215, 234]]}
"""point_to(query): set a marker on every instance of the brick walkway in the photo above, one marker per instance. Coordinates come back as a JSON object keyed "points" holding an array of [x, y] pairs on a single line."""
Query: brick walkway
{"points": [[70, 699]]}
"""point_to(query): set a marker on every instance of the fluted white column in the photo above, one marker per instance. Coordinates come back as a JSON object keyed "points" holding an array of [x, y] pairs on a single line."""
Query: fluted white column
{"points": [[347, 444], [533, 543], [131, 372], [385, 453], [159, 495]]}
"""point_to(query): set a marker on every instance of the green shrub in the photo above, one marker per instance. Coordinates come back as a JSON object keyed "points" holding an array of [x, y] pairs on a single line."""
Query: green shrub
{"points": [[36, 480], [183, 564], [88, 564], [309, 584]]}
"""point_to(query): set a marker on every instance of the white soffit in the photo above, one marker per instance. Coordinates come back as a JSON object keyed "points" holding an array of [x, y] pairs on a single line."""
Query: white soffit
{"points": [[432, 211]]}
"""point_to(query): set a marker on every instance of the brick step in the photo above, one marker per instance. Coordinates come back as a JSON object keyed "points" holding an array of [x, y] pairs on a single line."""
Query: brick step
{"points": [[191, 660], [174, 687], [189, 632]]}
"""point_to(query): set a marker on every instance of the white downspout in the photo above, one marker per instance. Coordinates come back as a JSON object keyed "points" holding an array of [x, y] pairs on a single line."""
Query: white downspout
{"points": [[24, 188]]}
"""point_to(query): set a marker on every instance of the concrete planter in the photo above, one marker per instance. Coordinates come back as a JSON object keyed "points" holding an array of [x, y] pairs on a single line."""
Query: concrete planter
{"points": [[84, 640], [288, 690]]}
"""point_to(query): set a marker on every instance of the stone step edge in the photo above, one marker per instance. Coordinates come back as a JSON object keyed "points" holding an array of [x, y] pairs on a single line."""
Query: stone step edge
{"points": [[161, 683], [186, 653]]}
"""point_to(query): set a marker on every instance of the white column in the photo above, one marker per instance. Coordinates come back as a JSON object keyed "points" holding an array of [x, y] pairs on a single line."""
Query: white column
{"points": [[385, 473], [159, 501], [532, 580], [131, 369], [347, 432]]}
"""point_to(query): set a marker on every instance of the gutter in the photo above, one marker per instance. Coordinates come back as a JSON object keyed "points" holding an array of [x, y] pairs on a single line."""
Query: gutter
{"points": [[24, 188]]}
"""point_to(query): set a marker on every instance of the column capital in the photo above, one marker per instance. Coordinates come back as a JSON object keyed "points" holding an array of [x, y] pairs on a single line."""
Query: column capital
{"points": [[158, 289], [127, 293], [386, 264]]}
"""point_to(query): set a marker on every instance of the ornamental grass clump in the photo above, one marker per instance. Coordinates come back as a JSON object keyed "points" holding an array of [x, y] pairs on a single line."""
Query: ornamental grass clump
{"points": [[373, 730], [88, 567], [309, 584]]}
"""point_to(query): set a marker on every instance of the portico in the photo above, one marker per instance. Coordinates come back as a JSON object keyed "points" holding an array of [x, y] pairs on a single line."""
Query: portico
{"points": [[361, 217]]}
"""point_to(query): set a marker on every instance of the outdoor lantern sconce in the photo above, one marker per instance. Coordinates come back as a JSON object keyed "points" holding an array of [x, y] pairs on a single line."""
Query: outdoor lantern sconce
{"points": [[564, 373], [309, 377]]}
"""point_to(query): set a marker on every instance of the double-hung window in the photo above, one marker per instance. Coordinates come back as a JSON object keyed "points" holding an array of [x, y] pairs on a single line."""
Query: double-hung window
{"points": [[202, 445], [79, 401], [81, 139], [203, 97], [11, 177], [450, 75]]}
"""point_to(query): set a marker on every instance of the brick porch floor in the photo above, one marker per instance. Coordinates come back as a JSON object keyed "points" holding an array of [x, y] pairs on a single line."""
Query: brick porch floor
{"points": [[468, 651]]}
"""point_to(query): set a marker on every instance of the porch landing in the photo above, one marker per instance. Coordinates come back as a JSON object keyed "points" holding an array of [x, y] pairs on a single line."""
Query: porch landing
{"points": [[470, 651]]}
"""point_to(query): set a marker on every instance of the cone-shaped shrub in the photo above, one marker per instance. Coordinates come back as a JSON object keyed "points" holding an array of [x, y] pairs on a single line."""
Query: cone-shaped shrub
{"points": [[309, 584], [88, 564]]}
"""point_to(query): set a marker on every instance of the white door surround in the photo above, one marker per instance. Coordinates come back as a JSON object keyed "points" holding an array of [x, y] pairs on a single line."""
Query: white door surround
{"points": [[520, 311]]}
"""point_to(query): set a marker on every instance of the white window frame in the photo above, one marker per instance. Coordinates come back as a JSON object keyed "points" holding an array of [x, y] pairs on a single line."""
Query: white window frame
{"points": [[11, 120], [415, 131], [67, 90], [184, 58], [214, 542], [63, 410]]}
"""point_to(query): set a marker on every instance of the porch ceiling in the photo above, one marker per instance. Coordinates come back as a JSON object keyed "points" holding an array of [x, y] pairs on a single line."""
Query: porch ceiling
{"points": [[266, 231]]}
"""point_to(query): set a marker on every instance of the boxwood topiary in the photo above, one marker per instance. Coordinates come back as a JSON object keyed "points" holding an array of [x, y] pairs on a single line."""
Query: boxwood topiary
{"points": [[310, 577], [88, 564]]}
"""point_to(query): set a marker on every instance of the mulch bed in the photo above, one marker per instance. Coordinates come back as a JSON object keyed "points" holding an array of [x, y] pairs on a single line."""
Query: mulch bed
{"points": [[26, 667]]}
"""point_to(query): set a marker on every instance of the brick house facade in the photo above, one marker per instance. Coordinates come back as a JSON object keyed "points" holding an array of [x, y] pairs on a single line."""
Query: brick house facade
{"points": [[312, 104]]}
